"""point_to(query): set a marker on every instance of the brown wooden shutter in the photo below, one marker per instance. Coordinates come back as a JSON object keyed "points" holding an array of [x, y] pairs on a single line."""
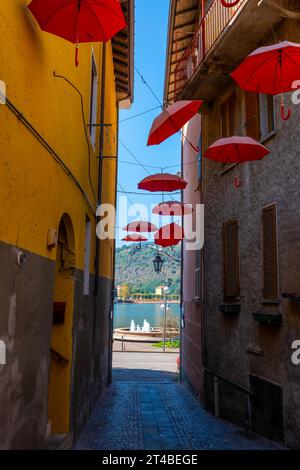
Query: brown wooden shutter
{"points": [[252, 115], [231, 259], [224, 119], [270, 273], [232, 113]]}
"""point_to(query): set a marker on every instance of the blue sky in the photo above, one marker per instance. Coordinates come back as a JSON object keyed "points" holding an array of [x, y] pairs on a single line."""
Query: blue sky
{"points": [[151, 22]]}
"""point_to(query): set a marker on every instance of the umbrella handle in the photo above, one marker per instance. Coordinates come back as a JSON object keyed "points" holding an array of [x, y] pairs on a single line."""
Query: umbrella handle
{"points": [[77, 55], [237, 182], [196, 149], [230, 4], [285, 117]]}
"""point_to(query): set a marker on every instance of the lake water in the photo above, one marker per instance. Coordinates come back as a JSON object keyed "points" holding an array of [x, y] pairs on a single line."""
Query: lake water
{"points": [[153, 313]]}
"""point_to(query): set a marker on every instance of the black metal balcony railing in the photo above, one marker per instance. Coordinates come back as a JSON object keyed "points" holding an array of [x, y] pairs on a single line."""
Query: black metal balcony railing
{"points": [[212, 25]]}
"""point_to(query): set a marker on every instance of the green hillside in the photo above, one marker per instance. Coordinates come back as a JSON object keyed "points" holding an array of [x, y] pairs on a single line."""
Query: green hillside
{"points": [[135, 268]]}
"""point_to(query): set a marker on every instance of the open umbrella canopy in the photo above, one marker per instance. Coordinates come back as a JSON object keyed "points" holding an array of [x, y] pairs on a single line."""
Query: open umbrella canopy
{"points": [[79, 20], [134, 237], [270, 69], [172, 208], [169, 235], [172, 119], [140, 226], [236, 150], [162, 182]]}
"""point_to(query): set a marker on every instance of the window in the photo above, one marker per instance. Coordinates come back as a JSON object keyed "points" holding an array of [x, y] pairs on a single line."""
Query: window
{"points": [[231, 259], [93, 100], [228, 116], [266, 112], [259, 115], [87, 257], [270, 270]]}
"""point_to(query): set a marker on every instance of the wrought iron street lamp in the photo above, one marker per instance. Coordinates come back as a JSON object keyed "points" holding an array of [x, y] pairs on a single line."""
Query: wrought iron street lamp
{"points": [[158, 263]]}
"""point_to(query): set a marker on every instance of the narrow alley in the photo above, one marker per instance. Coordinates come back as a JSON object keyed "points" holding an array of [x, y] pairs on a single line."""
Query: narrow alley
{"points": [[146, 408], [150, 229]]}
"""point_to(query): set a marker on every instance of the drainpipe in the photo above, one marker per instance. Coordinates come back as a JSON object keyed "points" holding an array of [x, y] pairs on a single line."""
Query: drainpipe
{"points": [[202, 253], [181, 274], [100, 167], [112, 306]]}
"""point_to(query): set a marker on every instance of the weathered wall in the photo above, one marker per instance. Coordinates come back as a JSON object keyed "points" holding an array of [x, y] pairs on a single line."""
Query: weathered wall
{"points": [[35, 192], [274, 179], [191, 350], [25, 326], [91, 351]]}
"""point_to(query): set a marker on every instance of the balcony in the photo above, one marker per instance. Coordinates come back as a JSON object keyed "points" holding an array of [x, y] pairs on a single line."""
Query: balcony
{"points": [[224, 37]]}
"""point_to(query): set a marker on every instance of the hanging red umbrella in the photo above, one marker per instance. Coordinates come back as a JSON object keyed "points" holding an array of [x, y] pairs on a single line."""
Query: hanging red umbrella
{"points": [[169, 235], [172, 208], [140, 226], [79, 21], [162, 182], [271, 70], [231, 4], [172, 119], [134, 237], [236, 150]]}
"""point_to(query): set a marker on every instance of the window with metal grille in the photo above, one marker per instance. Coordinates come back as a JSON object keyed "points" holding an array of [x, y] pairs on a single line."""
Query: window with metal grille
{"points": [[270, 270], [231, 259]]}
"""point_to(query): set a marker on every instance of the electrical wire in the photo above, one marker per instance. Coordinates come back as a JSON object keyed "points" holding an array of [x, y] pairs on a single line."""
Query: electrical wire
{"points": [[84, 126], [137, 115], [21, 117]]}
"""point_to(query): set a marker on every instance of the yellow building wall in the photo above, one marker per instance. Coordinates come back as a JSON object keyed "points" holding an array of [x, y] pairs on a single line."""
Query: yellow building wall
{"points": [[35, 191]]}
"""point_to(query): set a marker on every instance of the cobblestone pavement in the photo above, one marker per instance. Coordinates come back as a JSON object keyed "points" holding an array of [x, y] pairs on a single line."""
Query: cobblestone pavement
{"points": [[155, 412]]}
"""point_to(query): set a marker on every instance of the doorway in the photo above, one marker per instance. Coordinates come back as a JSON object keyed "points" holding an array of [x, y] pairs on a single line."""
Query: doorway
{"points": [[61, 337]]}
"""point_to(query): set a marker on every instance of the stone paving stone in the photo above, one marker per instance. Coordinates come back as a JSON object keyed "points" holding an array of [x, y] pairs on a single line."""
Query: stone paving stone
{"points": [[161, 416]]}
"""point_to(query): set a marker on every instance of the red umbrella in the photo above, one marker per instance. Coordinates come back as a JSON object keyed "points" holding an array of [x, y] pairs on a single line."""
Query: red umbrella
{"points": [[172, 119], [134, 237], [271, 70], [140, 226], [162, 182], [169, 235], [236, 150], [79, 21], [231, 4], [171, 208]]}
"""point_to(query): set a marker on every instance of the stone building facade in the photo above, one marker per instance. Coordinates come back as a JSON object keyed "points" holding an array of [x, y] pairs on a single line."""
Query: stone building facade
{"points": [[249, 311]]}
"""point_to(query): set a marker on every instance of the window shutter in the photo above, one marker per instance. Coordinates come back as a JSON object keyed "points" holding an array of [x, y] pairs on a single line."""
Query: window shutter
{"points": [[231, 259], [270, 274], [228, 116], [224, 119], [252, 115], [232, 113]]}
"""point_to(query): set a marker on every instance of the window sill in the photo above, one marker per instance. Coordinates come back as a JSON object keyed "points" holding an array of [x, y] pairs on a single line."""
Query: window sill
{"points": [[232, 299], [269, 301]]}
